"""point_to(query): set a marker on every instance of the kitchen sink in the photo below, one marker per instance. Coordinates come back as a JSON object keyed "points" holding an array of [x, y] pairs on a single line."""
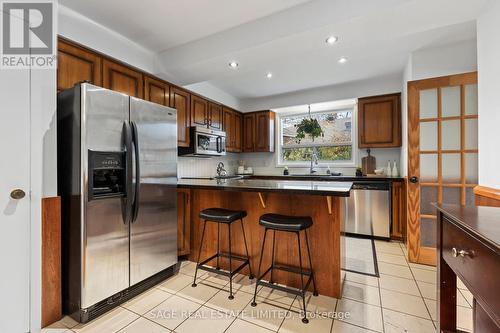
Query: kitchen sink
{"points": [[228, 177], [314, 175]]}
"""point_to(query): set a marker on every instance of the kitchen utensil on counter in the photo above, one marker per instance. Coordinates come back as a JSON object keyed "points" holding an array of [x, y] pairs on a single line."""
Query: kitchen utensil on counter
{"points": [[368, 164]]}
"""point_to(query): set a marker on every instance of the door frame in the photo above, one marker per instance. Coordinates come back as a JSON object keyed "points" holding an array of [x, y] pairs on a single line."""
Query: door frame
{"points": [[416, 253]]}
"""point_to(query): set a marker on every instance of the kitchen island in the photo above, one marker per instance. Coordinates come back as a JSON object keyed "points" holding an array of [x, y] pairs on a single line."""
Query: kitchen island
{"points": [[324, 201]]}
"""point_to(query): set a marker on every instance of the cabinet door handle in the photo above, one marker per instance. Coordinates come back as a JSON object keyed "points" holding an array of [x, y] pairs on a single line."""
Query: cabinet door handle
{"points": [[459, 253]]}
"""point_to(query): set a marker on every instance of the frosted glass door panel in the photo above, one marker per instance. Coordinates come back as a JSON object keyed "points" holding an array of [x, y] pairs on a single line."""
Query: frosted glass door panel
{"points": [[428, 195], [451, 195], [428, 103], [471, 173], [471, 99], [428, 168], [450, 102], [470, 133], [451, 168], [428, 135], [450, 135], [428, 232]]}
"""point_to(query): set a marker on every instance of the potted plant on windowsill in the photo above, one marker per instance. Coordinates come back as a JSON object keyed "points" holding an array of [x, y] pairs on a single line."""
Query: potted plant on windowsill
{"points": [[308, 126]]}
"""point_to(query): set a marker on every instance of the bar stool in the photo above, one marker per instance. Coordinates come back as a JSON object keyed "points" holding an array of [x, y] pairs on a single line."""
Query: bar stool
{"points": [[293, 224], [223, 216]]}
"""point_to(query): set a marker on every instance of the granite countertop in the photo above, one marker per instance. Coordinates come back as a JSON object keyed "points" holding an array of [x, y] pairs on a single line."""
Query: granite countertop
{"points": [[320, 177], [327, 188]]}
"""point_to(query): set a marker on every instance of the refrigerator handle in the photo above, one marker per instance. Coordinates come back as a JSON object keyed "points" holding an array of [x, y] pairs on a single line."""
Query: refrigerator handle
{"points": [[135, 136], [129, 199]]}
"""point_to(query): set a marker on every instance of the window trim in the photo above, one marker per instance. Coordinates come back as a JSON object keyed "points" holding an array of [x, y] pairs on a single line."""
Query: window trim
{"points": [[303, 164]]}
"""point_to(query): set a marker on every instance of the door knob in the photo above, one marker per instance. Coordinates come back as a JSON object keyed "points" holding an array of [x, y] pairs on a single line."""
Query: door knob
{"points": [[414, 179], [17, 194]]}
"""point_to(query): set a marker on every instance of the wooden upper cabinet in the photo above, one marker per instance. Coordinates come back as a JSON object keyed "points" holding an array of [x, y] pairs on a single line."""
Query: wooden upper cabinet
{"points": [[232, 127], [237, 132], [121, 78], [264, 131], [249, 132], [215, 116], [199, 111], [181, 101], [75, 65], [156, 91], [379, 124]]}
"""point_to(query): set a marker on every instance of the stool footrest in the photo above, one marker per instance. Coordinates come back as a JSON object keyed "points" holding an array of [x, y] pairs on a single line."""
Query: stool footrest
{"points": [[290, 269], [202, 266]]}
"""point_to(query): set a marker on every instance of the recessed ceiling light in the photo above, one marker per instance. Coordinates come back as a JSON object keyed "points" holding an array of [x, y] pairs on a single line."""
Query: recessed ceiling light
{"points": [[233, 64], [332, 40], [269, 75], [342, 60]]}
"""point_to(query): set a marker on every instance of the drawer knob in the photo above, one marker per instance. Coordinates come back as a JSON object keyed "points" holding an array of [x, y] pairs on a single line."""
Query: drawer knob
{"points": [[456, 253]]}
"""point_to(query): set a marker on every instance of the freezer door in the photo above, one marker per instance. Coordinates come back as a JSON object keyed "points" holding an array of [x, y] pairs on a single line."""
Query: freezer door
{"points": [[105, 236], [153, 234]]}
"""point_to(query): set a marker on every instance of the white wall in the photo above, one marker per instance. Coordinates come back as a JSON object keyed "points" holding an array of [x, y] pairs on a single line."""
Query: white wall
{"points": [[444, 60], [210, 91], [488, 47], [369, 87], [81, 29]]}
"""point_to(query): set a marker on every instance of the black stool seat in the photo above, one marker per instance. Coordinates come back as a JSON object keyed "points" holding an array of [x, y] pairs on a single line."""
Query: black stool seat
{"points": [[285, 223], [222, 215]]}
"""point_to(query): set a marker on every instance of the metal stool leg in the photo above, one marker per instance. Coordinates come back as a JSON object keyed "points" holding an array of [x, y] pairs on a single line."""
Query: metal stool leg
{"points": [[304, 320], [199, 252], [315, 291], [230, 265], [246, 249], [258, 272], [272, 262], [218, 245]]}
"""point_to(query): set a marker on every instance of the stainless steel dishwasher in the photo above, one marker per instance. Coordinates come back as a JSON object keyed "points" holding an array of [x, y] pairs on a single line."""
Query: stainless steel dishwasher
{"points": [[369, 210]]}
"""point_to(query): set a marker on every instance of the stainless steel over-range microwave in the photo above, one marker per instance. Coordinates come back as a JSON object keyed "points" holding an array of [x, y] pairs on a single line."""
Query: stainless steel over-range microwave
{"points": [[205, 142]]}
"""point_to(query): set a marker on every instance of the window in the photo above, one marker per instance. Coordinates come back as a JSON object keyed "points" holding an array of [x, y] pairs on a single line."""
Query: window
{"points": [[335, 147]]}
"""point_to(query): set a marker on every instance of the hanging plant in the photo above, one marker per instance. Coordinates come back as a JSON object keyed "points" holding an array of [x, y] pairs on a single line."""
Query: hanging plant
{"points": [[308, 126]]}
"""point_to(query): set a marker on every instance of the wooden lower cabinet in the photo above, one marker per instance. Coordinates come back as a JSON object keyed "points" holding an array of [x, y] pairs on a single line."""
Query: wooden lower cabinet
{"points": [[75, 64], [183, 222], [398, 230], [121, 78]]}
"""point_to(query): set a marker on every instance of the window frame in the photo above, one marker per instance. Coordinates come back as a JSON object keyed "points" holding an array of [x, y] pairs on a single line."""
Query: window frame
{"points": [[302, 164]]}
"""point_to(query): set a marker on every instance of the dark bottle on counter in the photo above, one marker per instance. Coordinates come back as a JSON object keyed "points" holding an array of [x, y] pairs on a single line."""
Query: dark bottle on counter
{"points": [[286, 172]]}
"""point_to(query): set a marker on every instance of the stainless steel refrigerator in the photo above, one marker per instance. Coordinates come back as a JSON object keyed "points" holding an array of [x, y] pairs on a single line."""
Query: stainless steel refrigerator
{"points": [[117, 175]]}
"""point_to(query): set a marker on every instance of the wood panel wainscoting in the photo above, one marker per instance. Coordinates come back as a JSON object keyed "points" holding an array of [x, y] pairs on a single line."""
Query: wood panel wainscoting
{"points": [[487, 196], [51, 261], [324, 235]]}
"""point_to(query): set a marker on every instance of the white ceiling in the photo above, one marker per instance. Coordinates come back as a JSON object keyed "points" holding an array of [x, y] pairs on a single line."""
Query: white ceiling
{"points": [[196, 39], [162, 24]]}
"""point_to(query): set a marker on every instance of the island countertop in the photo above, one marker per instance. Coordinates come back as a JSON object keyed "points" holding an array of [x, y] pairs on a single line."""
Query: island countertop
{"points": [[326, 188]]}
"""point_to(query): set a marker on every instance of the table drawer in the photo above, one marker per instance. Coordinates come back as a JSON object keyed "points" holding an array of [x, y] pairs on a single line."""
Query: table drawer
{"points": [[479, 267]]}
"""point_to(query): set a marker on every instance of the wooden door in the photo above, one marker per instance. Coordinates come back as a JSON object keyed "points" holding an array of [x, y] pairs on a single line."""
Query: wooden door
{"points": [[75, 64], [215, 116], [181, 101], [264, 131], [249, 132], [237, 118], [123, 79], [15, 214], [229, 129], [199, 111], [379, 124], [156, 91], [442, 154]]}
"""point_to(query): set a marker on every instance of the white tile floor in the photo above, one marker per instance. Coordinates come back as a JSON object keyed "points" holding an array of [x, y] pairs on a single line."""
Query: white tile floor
{"points": [[403, 299]]}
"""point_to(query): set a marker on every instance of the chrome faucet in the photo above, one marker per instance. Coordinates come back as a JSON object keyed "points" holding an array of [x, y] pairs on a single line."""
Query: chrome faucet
{"points": [[221, 172], [314, 160]]}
